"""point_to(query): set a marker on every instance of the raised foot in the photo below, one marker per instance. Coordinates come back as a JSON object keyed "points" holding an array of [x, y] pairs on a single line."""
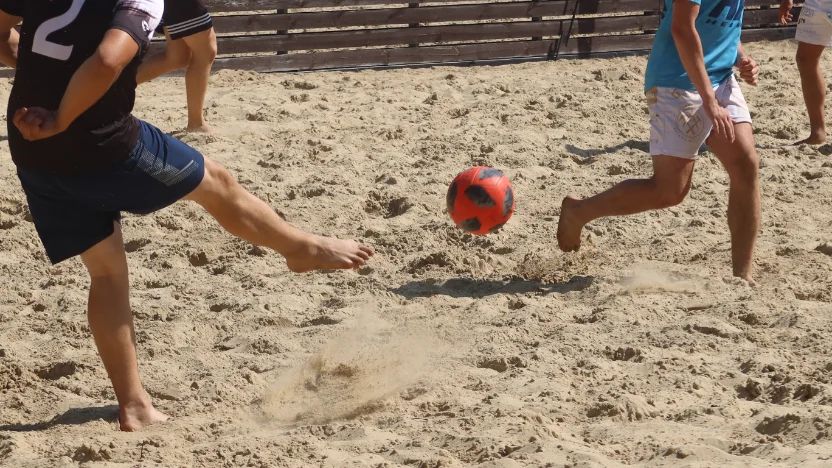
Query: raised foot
{"points": [[203, 128], [138, 417], [326, 253], [569, 227]]}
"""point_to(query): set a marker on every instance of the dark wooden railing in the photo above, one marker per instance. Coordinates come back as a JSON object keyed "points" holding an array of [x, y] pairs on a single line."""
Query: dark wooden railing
{"points": [[295, 35]]}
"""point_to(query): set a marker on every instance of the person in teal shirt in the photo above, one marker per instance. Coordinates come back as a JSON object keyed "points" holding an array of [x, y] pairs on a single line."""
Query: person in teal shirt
{"points": [[719, 32], [693, 98]]}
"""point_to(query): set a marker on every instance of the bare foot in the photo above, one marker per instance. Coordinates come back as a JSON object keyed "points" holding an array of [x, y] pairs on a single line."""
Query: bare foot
{"points": [[137, 417], [569, 228], [326, 253], [814, 139], [204, 128], [748, 279]]}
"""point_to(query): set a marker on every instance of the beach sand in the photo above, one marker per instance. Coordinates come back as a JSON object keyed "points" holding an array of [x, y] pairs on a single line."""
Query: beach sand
{"points": [[447, 350]]}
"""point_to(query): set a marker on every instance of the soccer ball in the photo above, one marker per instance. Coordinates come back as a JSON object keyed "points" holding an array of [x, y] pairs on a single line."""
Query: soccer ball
{"points": [[480, 200]]}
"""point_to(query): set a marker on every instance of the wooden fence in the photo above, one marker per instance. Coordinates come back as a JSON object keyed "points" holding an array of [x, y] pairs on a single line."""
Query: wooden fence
{"points": [[293, 35], [298, 35]]}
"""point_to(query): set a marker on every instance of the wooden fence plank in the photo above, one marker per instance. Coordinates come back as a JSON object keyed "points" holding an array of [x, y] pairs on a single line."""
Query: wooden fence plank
{"points": [[769, 34], [435, 54], [429, 34], [585, 7], [397, 56], [764, 3], [577, 47], [451, 33], [395, 16]]}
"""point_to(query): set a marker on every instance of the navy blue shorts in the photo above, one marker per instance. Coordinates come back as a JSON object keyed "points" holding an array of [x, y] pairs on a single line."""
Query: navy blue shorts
{"points": [[73, 214]]}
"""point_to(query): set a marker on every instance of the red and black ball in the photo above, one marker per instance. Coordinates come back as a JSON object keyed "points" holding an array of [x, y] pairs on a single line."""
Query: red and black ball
{"points": [[480, 200]]}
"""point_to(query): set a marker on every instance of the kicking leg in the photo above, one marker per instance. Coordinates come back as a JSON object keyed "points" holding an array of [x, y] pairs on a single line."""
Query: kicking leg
{"points": [[741, 161], [669, 185], [246, 216], [814, 90], [203, 46], [111, 324], [176, 56]]}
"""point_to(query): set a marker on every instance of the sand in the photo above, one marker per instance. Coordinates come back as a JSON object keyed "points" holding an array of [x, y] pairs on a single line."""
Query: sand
{"points": [[448, 350]]}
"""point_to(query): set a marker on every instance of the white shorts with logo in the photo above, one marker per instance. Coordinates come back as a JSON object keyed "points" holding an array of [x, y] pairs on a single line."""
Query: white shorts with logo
{"points": [[678, 123], [814, 26]]}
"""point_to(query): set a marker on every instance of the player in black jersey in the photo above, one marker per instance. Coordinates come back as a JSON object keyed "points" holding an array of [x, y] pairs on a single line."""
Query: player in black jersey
{"points": [[82, 158], [191, 44]]}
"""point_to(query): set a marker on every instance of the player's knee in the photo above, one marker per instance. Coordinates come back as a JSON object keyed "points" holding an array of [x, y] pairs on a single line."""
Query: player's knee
{"points": [[179, 60], [672, 195], [209, 53], [105, 261], [745, 170], [806, 59], [106, 271], [217, 177], [207, 49]]}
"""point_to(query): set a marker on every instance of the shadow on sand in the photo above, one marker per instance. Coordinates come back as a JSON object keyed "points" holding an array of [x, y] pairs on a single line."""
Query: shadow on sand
{"points": [[73, 417], [479, 288], [591, 153]]}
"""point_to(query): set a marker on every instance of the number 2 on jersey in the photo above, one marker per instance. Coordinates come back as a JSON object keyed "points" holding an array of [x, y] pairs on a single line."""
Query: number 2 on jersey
{"points": [[42, 46]]}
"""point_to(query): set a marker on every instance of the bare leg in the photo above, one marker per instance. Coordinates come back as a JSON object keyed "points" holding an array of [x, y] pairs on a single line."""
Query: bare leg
{"points": [[742, 163], [814, 90], [111, 324], [176, 56], [203, 46], [669, 185], [246, 216]]}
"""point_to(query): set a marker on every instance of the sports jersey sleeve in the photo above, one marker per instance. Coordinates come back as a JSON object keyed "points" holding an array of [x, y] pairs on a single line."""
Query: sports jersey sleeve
{"points": [[138, 18], [12, 7]]}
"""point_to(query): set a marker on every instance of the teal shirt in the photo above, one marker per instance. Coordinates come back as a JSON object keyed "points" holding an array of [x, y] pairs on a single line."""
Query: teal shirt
{"points": [[719, 25]]}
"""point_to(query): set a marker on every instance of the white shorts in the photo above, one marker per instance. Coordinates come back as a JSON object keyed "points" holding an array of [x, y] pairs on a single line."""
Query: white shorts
{"points": [[814, 27], [678, 123]]}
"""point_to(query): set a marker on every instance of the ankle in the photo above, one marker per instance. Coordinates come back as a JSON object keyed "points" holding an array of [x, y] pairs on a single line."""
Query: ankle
{"points": [[300, 244], [137, 402], [574, 210]]}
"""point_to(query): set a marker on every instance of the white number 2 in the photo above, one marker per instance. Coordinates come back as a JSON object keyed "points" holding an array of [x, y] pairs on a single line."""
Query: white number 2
{"points": [[56, 51]]}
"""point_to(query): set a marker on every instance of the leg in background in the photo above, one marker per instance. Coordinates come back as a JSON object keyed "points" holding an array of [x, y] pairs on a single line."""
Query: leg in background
{"points": [[176, 56], [741, 161], [246, 216], [203, 47], [668, 187], [111, 324], [814, 90]]}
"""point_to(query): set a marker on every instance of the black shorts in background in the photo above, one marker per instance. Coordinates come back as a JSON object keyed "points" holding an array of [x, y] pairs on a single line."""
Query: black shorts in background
{"points": [[183, 18]]}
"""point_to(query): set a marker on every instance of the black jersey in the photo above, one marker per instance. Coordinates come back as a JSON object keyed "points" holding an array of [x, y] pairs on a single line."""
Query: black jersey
{"points": [[56, 38]]}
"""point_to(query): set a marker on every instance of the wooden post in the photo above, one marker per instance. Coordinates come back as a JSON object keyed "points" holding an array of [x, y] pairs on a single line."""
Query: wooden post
{"points": [[537, 19], [282, 11], [651, 13], [413, 25]]}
